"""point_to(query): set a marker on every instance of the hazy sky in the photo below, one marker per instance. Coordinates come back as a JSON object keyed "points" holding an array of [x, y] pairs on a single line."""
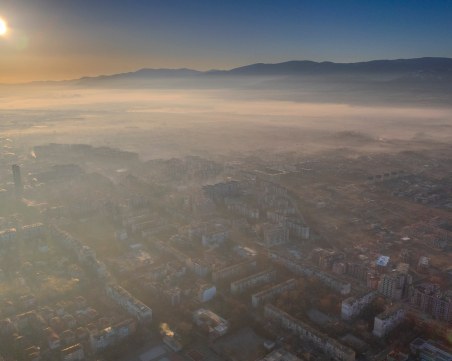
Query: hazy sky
{"points": [[61, 39]]}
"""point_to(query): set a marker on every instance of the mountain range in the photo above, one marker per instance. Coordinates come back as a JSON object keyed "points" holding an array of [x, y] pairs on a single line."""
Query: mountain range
{"points": [[439, 68], [417, 81]]}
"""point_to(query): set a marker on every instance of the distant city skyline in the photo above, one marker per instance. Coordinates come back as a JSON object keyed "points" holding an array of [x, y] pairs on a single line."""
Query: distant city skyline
{"points": [[53, 40]]}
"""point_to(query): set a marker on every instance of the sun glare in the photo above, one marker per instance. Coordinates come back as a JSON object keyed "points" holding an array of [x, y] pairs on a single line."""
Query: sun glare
{"points": [[3, 27]]}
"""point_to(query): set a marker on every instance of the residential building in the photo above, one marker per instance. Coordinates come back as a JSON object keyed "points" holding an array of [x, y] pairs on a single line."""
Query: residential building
{"points": [[397, 356], [33, 230], [372, 280], [100, 340], [241, 208], [198, 266], [221, 190], [297, 229], [68, 337], [296, 266], [429, 298], [206, 292], [215, 325], [7, 235], [394, 285], [254, 280], [214, 235], [32, 353], [339, 268], [423, 264], [276, 217], [270, 293], [53, 339], [173, 295], [351, 307], [323, 342], [233, 270], [132, 305], [388, 320], [245, 252], [280, 355], [358, 270], [73, 353], [273, 235], [108, 336], [430, 351]]}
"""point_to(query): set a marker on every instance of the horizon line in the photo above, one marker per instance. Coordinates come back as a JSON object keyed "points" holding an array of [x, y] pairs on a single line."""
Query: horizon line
{"points": [[219, 70]]}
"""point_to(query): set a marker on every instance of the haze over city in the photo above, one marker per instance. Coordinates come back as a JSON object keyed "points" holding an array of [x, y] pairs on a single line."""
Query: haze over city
{"points": [[225, 180]]}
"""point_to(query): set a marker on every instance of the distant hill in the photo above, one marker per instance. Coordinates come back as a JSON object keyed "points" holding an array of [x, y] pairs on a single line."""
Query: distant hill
{"points": [[418, 67], [399, 66], [408, 81], [142, 74]]}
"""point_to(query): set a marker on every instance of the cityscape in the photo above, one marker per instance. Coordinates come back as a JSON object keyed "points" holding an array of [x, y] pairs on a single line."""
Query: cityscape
{"points": [[290, 210]]}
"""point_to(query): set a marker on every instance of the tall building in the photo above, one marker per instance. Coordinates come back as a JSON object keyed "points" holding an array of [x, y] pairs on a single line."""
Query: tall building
{"points": [[18, 186], [386, 321], [395, 285], [430, 350], [429, 298]]}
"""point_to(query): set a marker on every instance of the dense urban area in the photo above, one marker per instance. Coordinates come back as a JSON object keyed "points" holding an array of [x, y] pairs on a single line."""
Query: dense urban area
{"points": [[335, 256]]}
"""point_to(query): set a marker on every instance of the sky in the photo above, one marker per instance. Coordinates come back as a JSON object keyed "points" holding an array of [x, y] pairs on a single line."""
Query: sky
{"points": [[67, 39]]}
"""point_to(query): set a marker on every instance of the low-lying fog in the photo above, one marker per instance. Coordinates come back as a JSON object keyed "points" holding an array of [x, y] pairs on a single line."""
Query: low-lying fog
{"points": [[167, 123]]}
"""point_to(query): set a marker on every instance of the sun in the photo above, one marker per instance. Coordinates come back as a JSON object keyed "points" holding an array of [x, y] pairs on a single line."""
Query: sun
{"points": [[3, 27]]}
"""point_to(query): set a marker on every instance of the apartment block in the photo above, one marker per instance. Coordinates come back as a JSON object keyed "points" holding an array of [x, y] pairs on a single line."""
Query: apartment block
{"points": [[388, 320], [430, 350], [73, 353], [336, 283], [394, 285], [233, 270], [268, 294], [215, 325], [328, 345], [429, 298], [351, 307], [132, 305], [280, 355], [254, 280]]}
